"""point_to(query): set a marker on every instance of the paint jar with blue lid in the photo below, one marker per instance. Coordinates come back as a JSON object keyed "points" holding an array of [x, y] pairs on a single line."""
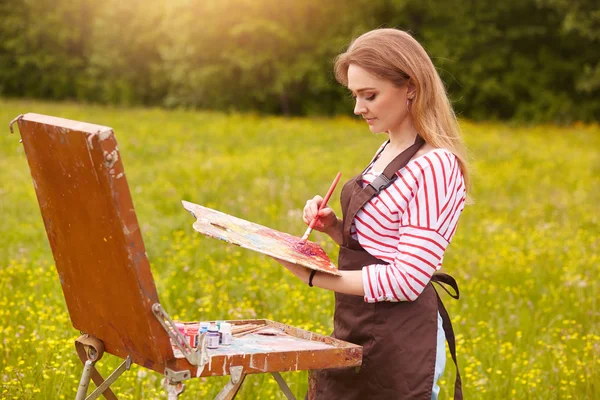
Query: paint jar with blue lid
{"points": [[203, 327]]}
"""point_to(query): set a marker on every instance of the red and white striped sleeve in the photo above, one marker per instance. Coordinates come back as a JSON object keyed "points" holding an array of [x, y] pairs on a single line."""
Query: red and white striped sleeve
{"points": [[436, 191]]}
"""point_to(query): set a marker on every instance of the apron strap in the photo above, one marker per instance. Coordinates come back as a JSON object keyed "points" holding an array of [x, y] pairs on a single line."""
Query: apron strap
{"points": [[441, 279], [388, 176], [354, 196]]}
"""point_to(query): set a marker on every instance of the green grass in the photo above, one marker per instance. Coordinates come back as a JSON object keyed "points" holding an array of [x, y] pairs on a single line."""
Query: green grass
{"points": [[525, 253]]}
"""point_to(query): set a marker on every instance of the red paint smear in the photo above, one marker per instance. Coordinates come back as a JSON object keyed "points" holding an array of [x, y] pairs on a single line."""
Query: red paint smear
{"points": [[310, 249], [307, 248]]}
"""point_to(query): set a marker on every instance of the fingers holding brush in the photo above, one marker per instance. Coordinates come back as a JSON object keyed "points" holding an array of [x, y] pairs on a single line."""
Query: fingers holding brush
{"points": [[326, 216]]}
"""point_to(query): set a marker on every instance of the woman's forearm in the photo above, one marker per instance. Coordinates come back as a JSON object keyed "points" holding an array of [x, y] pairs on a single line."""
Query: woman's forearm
{"points": [[335, 232], [350, 282]]}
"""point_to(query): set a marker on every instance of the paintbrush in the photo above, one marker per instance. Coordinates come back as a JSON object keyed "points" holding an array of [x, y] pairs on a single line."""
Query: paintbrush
{"points": [[242, 328], [322, 206], [249, 331]]}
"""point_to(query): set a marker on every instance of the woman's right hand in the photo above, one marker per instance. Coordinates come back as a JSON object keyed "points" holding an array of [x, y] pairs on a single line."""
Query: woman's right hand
{"points": [[327, 218]]}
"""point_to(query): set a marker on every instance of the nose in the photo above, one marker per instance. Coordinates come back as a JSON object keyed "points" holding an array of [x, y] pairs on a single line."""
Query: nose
{"points": [[359, 107]]}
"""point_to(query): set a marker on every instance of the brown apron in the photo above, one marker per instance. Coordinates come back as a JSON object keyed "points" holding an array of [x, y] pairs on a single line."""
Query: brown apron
{"points": [[398, 338]]}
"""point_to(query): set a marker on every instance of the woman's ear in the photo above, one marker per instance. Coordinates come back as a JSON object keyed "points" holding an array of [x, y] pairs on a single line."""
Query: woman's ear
{"points": [[411, 90]]}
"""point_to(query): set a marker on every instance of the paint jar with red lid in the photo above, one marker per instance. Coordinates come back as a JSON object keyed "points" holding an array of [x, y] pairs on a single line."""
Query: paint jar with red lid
{"points": [[191, 332]]}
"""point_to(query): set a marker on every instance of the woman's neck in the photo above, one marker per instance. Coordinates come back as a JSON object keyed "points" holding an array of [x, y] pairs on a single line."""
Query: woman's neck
{"points": [[403, 137]]}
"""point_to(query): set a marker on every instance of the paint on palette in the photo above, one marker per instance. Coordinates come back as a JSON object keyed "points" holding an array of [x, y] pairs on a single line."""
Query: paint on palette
{"points": [[307, 248], [260, 238]]}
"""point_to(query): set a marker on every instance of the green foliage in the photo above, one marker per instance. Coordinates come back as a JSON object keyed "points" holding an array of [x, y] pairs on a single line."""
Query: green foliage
{"points": [[509, 59], [268, 55], [42, 47], [533, 60]]}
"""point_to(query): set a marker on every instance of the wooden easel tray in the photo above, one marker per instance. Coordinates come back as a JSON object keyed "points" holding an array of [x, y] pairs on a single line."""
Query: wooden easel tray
{"points": [[278, 347]]}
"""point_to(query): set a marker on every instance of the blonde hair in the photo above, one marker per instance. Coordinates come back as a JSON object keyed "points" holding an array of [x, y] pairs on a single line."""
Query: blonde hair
{"points": [[394, 55]]}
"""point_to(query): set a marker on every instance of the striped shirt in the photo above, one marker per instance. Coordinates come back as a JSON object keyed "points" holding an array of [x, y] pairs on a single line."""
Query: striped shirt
{"points": [[409, 225]]}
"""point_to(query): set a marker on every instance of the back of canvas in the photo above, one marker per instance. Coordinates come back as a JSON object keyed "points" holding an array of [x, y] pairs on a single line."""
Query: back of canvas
{"points": [[94, 235]]}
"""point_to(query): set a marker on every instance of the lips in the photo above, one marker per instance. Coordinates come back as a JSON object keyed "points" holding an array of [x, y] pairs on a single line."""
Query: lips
{"points": [[370, 121]]}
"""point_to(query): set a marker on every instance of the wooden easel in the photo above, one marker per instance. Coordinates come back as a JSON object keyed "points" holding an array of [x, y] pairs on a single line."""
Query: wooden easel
{"points": [[105, 275]]}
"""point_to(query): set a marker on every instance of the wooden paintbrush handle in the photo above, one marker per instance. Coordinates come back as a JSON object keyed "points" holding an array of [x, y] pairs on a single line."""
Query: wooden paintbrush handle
{"points": [[312, 224], [249, 331]]}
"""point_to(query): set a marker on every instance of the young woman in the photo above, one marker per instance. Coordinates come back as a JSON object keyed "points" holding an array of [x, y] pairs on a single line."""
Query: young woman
{"points": [[399, 216]]}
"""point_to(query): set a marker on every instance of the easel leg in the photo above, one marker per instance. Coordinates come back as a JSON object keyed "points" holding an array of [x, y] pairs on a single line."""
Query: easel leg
{"points": [[312, 385], [283, 386], [173, 389], [84, 383], [90, 350], [233, 386], [105, 386]]}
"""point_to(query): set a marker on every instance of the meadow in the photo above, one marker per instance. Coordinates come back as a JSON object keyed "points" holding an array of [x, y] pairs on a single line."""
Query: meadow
{"points": [[525, 253]]}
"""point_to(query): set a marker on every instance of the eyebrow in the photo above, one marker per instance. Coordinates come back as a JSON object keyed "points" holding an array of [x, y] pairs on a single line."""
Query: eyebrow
{"points": [[362, 89]]}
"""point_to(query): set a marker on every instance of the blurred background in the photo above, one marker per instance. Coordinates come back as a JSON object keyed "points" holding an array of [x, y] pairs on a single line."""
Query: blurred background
{"points": [[529, 60]]}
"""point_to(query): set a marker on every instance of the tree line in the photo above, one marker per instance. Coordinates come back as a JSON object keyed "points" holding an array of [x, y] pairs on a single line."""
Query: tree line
{"points": [[531, 60]]}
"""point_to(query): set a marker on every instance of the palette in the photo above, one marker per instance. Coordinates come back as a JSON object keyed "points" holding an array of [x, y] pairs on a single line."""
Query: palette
{"points": [[252, 236]]}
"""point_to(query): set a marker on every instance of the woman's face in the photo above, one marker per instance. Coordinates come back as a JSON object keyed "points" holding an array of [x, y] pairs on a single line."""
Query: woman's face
{"points": [[378, 101]]}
